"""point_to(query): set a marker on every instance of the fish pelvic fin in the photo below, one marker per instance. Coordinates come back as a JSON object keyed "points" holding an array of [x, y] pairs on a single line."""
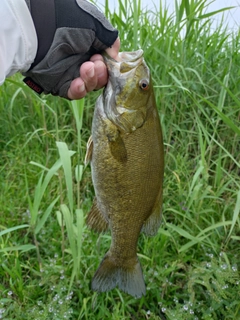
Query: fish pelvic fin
{"points": [[127, 278], [96, 220], [151, 225]]}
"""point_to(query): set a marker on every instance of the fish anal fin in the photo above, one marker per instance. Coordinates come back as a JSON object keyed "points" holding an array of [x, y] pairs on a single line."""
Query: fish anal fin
{"points": [[128, 278], [152, 224], [88, 156], [96, 220]]}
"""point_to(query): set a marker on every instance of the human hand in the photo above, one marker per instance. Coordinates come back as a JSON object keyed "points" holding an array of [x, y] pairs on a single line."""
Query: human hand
{"points": [[71, 34], [93, 74]]}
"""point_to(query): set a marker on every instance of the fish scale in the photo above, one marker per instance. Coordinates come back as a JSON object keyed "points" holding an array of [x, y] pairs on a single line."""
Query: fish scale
{"points": [[126, 154]]}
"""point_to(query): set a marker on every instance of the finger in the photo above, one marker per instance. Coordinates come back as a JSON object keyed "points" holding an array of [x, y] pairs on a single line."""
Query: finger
{"points": [[88, 75], [77, 89], [93, 74], [114, 50], [96, 57], [101, 73]]}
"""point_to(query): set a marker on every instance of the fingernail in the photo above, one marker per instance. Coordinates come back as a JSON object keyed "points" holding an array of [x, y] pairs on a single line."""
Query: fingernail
{"points": [[81, 88], [90, 73]]}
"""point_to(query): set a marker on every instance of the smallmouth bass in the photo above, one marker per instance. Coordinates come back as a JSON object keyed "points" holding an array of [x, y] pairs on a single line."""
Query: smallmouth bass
{"points": [[126, 154]]}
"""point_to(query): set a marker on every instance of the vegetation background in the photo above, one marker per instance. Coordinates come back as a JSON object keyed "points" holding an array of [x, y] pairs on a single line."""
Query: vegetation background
{"points": [[191, 267]]}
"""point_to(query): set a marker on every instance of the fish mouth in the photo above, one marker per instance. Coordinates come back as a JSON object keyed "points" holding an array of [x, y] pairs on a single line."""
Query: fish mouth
{"points": [[124, 59], [124, 56], [119, 70]]}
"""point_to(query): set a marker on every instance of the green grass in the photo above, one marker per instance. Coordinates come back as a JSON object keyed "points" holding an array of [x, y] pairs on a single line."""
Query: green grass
{"points": [[191, 267]]}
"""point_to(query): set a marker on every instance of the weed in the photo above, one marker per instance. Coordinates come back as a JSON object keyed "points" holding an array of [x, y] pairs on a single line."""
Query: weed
{"points": [[191, 267]]}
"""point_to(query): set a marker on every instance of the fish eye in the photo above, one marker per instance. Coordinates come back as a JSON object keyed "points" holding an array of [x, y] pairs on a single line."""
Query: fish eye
{"points": [[144, 84]]}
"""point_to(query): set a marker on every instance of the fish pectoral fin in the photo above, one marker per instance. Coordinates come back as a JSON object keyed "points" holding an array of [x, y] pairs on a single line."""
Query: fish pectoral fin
{"points": [[115, 141], [111, 130], [96, 220], [152, 224], [118, 149], [88, 156], [128, 278]]}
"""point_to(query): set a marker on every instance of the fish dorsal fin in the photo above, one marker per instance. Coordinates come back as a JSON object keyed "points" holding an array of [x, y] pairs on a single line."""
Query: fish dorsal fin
{"points": [[95, 220], [88, 156]]}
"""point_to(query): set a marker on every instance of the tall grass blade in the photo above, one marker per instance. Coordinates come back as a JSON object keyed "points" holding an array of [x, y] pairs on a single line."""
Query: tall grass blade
{"points": [[223, 92], [79, 172], [210, 14], [45, 216], [6, 231], [224, 118], [79, 230], [192, 243], [34, 206], [22, 248], [235, 217], [77, 107], [181, 231], [39, 192], [194, 65], [71, 235], [65, 156], [136, 14], [214, 227]]}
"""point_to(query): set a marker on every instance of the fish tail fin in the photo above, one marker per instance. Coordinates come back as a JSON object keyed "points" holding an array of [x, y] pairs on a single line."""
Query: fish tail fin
{"points": [[128, 278]]}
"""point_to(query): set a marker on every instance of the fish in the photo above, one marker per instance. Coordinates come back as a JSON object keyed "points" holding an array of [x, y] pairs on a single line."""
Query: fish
{"points": [[127, 165]]}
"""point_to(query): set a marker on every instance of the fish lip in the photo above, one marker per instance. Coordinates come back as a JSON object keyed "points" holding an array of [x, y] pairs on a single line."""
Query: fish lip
{"points": [[130, 58], [133, 56], [124, 56]]}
